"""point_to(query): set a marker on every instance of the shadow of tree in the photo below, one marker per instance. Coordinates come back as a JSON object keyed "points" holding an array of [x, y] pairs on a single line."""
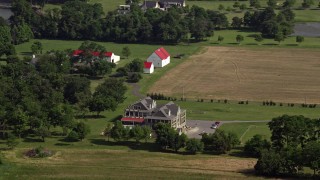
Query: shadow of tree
{"points": [[91, 116], [26, 53], [62, 144], [291, 44], [146, 146], [29, 139]]}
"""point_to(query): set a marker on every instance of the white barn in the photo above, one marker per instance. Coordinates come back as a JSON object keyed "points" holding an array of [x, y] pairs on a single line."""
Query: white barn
{"points": [[159, 57], [148, 67]]}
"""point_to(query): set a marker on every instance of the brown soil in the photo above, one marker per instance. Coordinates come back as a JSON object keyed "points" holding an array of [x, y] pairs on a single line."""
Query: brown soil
{"points": [[283, 75]]}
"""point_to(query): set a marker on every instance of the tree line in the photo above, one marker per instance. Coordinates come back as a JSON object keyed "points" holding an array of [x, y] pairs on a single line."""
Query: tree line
{"points": [[80, 20], [294, 145], [37, 98]]}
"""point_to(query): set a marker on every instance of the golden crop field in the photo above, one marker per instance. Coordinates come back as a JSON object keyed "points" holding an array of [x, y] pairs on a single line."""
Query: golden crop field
{"points": [[254, 74]]}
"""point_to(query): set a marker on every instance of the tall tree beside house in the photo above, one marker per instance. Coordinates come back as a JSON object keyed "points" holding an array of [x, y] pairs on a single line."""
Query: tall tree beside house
{"points": [[194, 145], [137, 133], [36, 47], [117, 131], [146, 133], [108, 95]]}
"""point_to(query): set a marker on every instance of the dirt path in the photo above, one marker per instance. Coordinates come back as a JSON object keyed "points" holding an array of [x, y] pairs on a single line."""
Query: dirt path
{"points": [[136, 90]]}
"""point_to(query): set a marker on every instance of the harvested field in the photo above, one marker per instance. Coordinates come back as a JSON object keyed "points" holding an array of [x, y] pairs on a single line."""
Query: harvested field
{"points": [[121, 164], [281, 75]]}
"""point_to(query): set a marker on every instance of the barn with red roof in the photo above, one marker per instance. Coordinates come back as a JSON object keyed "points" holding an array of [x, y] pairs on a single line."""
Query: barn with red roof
{"points": [[159, 57], [148, 67], [108, 56]]}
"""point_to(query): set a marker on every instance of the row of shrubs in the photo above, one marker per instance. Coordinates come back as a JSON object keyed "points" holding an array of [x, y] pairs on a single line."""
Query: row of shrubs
{"points": [[309, 105], [158, 96], [39, 152]]}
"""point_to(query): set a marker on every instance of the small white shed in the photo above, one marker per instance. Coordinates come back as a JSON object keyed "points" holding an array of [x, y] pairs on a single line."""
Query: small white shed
{"points": [[148, 67]]}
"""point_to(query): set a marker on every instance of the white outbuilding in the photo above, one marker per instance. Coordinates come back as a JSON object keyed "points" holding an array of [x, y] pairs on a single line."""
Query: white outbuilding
{"points": [[111, 57], [159, 57], [148, 67]]}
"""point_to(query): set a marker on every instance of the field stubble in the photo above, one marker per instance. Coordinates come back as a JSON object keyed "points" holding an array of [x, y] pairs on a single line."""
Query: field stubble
{"points": [[281, 75]]}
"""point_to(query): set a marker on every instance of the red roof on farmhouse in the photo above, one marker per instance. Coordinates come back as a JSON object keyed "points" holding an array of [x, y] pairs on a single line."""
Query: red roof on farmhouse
{"points": [[147, 65], [108, 54], [78, 52], [129, 119], [162, 53]]}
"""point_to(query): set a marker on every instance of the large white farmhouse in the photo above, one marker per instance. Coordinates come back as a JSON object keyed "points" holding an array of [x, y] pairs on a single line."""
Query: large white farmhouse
{"points": [[148, 67], [159, 57]]}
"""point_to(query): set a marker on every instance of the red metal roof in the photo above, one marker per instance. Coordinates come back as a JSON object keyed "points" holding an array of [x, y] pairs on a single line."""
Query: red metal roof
{"points": [[78, 52], [147, 65], [108, 54], [95, 54], [162, 53], [130, 119]]}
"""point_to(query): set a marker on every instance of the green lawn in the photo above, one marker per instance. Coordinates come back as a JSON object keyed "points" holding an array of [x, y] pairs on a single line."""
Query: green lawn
{"points": [[122, 164], [233, 111], [108, 5], [307, 15], [137, 50], [246, 131], [230, 40]]}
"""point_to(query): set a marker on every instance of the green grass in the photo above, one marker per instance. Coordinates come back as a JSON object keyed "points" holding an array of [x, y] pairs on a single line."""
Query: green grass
{"points": [[303, 15], [233, 111], [246, 131], [108, 5], [230, 40], [133, 164], [137, 50]]}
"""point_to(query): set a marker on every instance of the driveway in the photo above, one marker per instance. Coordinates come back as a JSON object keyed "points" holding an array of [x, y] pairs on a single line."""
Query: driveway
{"points": [[197, 127], [200, 126]]}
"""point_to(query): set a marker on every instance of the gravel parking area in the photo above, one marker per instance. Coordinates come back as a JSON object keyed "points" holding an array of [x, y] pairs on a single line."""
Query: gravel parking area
{"points": [[197, 127]]}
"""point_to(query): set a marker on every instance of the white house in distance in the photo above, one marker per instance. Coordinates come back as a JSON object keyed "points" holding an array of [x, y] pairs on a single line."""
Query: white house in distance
{"points": [[159, 57], [148, 67], [111, 57], [107, 56]]}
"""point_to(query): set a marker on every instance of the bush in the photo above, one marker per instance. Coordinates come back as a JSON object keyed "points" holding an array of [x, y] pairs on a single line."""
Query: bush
{"points": [[134, 77], [255, 145], [72, 136], [194, 145], [39, 152]]}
